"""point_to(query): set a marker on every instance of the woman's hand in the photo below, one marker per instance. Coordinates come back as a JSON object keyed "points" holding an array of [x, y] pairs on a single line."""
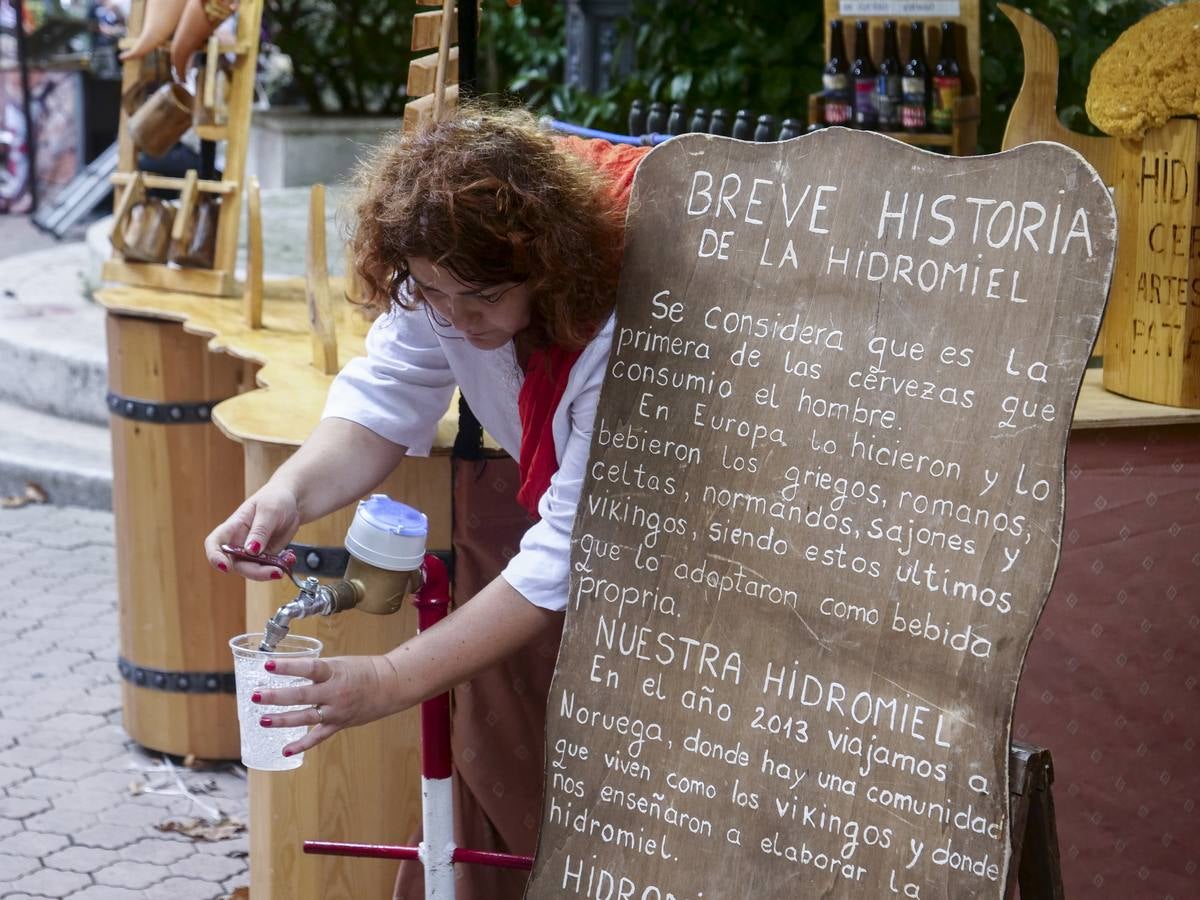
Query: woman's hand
{"points": [[347, 691], [266, 521]]}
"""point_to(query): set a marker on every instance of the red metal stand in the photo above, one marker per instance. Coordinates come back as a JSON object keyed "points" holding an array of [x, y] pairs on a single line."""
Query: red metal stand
{"points": [[437, 852]]}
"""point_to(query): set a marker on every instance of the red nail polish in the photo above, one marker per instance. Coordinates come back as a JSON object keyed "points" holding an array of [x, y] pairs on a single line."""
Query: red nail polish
{"points": [[287, 752], [253, 547], [275, 576], [223, 567], [265, 721], [256, 697], [269, 665]]}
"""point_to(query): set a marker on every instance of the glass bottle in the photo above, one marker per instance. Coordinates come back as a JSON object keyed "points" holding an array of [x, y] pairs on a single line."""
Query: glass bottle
{"points": [[637, 118], [743, 125], [836, 79], [914, 81], [863, 74], [947, 82], [887, 85]]}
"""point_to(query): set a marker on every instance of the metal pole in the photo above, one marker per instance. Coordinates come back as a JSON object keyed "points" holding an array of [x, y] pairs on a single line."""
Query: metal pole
{"points": [[437, 802], [27, 107], [468, 47]]}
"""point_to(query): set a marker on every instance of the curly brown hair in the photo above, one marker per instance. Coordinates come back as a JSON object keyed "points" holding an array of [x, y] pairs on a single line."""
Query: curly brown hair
{"points": [[487, 194]]}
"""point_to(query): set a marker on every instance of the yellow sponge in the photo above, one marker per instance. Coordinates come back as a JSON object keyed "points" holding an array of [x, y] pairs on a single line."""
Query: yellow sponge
{"points": [[1150, 74]]}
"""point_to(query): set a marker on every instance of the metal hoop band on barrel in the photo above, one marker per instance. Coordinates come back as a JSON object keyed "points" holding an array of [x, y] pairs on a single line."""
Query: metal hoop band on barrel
{"points": [[176, 682], [158, 412]]}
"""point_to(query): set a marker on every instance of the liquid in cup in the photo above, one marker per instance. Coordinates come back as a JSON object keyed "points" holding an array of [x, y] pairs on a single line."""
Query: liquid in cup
{"points": [[262, 748]]}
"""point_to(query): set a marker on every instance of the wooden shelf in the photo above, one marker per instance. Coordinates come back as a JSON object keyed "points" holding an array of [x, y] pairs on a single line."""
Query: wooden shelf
{"points": [[220, 279], [960, 141]]}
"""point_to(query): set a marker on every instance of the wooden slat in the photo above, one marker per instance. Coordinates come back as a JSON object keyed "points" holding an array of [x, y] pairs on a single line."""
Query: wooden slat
{"points": [[422, 73], [444, 42], [187, 204], [421, 109], [427, 28], [320, 303], [209, 282], [252, 297], [174, 184]]}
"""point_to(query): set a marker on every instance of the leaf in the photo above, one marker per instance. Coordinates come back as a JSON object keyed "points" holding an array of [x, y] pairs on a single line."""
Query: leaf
{"points": [[201, 830], [680, 85], [34, 493]]}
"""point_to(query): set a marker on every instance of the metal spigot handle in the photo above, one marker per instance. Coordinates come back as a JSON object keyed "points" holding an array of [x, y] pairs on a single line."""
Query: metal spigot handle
{"points": [[283, 562]]}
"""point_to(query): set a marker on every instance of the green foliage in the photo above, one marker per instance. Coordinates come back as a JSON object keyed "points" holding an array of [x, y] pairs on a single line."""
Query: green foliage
{"points": [[767, 56], [348, 57], [764, 55]]}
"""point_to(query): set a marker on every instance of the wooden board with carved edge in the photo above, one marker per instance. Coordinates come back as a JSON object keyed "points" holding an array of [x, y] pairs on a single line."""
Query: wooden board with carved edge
{"points": [[821, 517]]}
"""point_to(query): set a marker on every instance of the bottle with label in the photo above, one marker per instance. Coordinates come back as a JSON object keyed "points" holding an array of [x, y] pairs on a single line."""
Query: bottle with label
{"points": [[887, 85], [947, 82], [863, 74], [836, 80], [914, 81]]}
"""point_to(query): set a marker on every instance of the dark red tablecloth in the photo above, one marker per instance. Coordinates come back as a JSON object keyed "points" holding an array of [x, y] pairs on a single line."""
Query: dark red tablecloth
{"points": [[1110, 682]]}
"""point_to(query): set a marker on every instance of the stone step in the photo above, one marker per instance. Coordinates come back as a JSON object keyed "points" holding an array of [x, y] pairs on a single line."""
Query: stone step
{"points": [[53, 357], [70, 460]]}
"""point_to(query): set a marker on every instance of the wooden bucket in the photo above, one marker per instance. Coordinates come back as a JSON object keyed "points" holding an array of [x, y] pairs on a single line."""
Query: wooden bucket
{"points": [[1152, 328], [174, 476], [364, 784]]}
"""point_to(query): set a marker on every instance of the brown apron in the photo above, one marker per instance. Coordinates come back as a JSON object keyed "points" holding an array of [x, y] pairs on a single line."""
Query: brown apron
{"points": [[499, 717]]}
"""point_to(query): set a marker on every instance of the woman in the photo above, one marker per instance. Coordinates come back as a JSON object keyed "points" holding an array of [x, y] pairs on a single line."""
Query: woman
{"points": [[492, 251]]}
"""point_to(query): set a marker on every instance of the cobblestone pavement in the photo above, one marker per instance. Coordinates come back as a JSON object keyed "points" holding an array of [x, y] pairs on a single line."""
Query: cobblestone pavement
{"points": [[80, 802]]}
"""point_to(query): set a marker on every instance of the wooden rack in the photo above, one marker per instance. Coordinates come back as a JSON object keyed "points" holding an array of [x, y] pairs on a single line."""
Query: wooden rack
{"points": [[433, 78], [220, 280], [962, 139]]}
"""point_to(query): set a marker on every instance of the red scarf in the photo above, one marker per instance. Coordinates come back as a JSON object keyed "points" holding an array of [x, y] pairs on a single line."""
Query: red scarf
{"points": [[547, 370]]}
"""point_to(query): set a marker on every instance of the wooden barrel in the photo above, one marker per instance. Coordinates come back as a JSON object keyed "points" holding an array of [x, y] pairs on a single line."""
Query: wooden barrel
{"points": [[174, 476], [1152, 328], [362, 785]]}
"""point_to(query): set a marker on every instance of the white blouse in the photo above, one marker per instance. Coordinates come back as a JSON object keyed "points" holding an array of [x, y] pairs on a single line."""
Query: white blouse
{"points": [[404, 384]]}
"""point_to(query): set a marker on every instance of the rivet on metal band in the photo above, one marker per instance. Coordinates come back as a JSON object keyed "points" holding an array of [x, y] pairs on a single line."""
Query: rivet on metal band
{"points": [[176, 682], [161, 413]]}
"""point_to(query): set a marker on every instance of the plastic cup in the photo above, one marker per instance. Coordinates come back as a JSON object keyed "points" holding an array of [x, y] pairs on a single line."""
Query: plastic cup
{"points": [[262, 748]]}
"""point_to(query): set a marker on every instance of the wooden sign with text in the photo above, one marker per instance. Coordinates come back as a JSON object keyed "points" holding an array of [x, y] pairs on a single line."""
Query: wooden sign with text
{"points": [[822, 514]]}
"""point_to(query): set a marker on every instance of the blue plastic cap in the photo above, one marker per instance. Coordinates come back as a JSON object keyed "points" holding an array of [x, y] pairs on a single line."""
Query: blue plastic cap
{"points": [[382, 512]]}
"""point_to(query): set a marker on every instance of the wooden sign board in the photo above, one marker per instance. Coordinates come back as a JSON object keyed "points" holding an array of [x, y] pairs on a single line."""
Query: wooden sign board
{"points": [[821, 516]]}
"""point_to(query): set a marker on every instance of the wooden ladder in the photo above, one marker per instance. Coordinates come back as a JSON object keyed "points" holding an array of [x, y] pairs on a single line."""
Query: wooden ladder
{"points": [[220, 280]]}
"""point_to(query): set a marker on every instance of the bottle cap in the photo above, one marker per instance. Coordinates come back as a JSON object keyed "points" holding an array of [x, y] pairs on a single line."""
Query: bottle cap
{"points": [[388, 534]]}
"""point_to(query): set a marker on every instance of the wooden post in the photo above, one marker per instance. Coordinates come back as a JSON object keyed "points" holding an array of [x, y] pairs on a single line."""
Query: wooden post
{"points": [[439, 82], [252, 297], [316, 283]]}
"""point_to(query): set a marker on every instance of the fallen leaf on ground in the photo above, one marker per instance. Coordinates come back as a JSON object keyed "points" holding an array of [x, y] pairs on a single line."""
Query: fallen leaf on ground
{"points": [[242, 893], [201, 830], [34, 493]]}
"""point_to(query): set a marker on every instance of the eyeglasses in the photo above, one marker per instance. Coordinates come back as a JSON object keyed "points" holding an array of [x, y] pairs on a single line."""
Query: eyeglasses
{"points": [[437, 303]]}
